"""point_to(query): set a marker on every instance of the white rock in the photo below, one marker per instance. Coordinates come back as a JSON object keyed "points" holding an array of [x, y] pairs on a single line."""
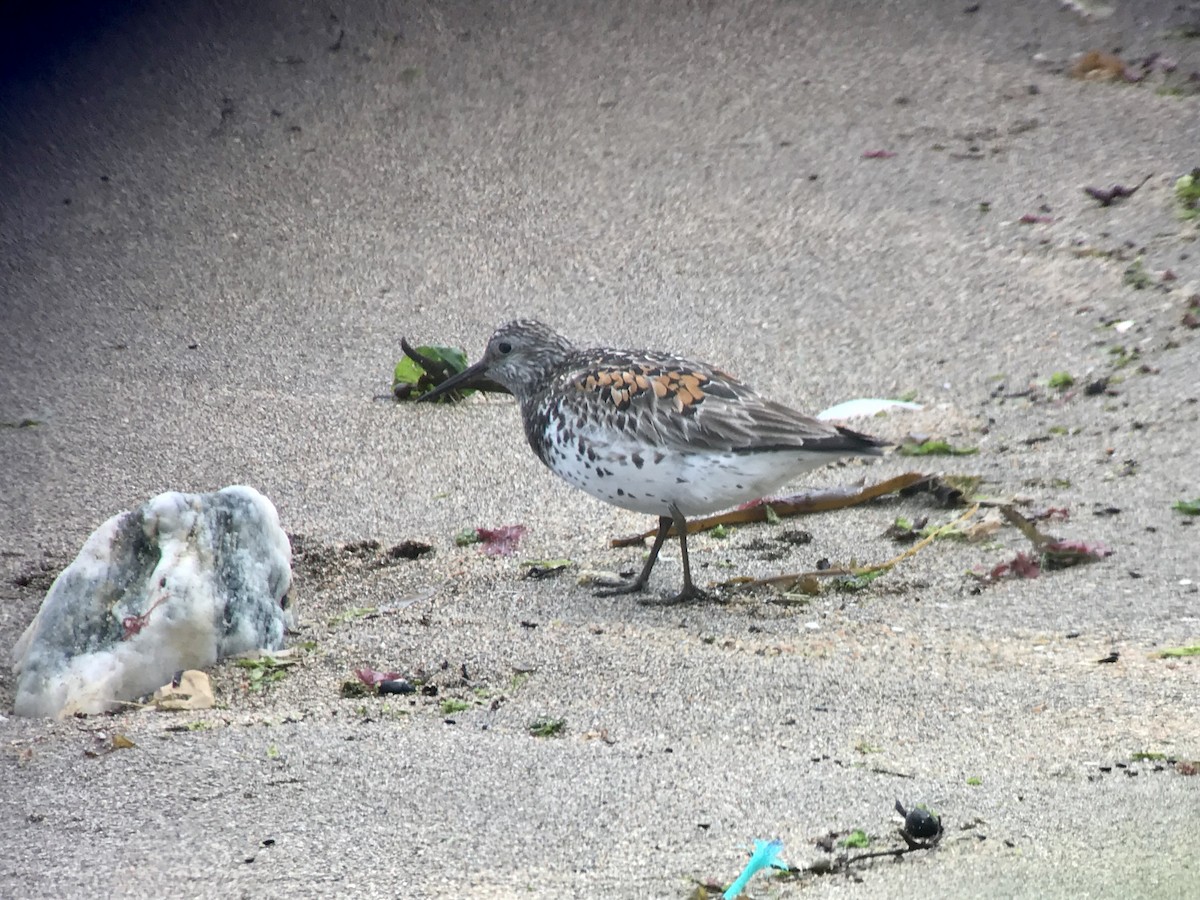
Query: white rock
{"points": [[183, 581], [864, 407]]}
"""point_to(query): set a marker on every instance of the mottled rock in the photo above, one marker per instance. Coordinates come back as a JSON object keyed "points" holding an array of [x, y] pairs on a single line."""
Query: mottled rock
{"points": [[181, 582]]}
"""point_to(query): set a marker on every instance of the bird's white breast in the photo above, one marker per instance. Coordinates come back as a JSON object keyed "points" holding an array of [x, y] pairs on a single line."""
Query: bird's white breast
{"points": [[652, 480]]}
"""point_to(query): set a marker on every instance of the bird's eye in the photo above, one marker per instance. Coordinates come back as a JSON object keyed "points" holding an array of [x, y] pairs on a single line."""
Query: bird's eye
{"points": [[504, 347]]}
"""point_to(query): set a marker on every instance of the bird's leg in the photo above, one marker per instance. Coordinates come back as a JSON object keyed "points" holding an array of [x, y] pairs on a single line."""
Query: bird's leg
{"points": [[639, 585], [690, 591]]}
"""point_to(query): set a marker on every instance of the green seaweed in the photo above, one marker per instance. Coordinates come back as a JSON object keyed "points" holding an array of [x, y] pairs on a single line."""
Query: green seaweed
{"points": [[935, 448], [1187, 507], [547, 726], [1187, 194], [1179, 652], [263, 671], [410, 380], [1136, 276]]}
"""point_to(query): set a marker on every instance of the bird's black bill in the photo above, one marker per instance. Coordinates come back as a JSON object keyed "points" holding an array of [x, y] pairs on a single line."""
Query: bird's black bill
{"points": [[471, 377]]}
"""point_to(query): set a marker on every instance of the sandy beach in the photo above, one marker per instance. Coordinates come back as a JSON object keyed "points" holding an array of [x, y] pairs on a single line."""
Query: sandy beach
{"points": [[217, 221]]}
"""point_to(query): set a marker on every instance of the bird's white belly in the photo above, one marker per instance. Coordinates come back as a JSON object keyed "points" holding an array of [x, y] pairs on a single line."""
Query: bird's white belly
{"points": [[696, 483]]}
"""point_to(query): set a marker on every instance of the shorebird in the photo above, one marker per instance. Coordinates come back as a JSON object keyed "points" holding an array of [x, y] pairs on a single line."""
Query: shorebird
{"points": [[652, 432]]}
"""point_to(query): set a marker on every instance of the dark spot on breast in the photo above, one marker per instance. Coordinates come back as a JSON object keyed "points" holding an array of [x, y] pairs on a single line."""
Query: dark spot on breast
{"points": [[591, 454], [637, 460], [620, 493], [681, 481], [659, 457]]}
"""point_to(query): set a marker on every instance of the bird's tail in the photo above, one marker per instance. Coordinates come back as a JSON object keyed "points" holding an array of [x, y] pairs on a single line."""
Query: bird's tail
{"points": [[855, 443]]}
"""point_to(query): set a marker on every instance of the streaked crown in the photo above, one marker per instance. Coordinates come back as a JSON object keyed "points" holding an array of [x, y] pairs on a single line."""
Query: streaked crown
{"points": [[523, 354]]}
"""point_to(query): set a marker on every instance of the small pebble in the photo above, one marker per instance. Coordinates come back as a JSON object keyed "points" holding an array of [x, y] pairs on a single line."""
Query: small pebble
{"points": [[397, 686]]}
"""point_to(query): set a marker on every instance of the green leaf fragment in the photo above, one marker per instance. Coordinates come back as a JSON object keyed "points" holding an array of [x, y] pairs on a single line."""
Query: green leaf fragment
{"points": [[1061, 380], [353, 689], [967, 485], [264, 671], [1123, 356], [411, 379], [353, 614], [1187, 507], [453, 705], [720, 532], [1187, 194], [264, 663], [1179, 652], [1136, 276], [547, 726], [935, 448], [852, 584], [466, 537], [518, 681], [974, 781], [857, 839]]}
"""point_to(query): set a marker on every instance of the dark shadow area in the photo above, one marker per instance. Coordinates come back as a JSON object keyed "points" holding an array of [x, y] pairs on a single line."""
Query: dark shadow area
{"points": [[37, 37]]}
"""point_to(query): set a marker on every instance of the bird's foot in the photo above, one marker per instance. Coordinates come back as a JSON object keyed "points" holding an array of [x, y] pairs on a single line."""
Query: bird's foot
{"points": [[632, 587], [689, 594]]}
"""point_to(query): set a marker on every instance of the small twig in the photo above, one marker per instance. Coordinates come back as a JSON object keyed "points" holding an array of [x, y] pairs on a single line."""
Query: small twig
{"points": [[841, 862], [1026, 527], [783, 582], [1116, 192], [924, 542], [784, 507], [879, 770], [132, 704], [912, 847]]}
